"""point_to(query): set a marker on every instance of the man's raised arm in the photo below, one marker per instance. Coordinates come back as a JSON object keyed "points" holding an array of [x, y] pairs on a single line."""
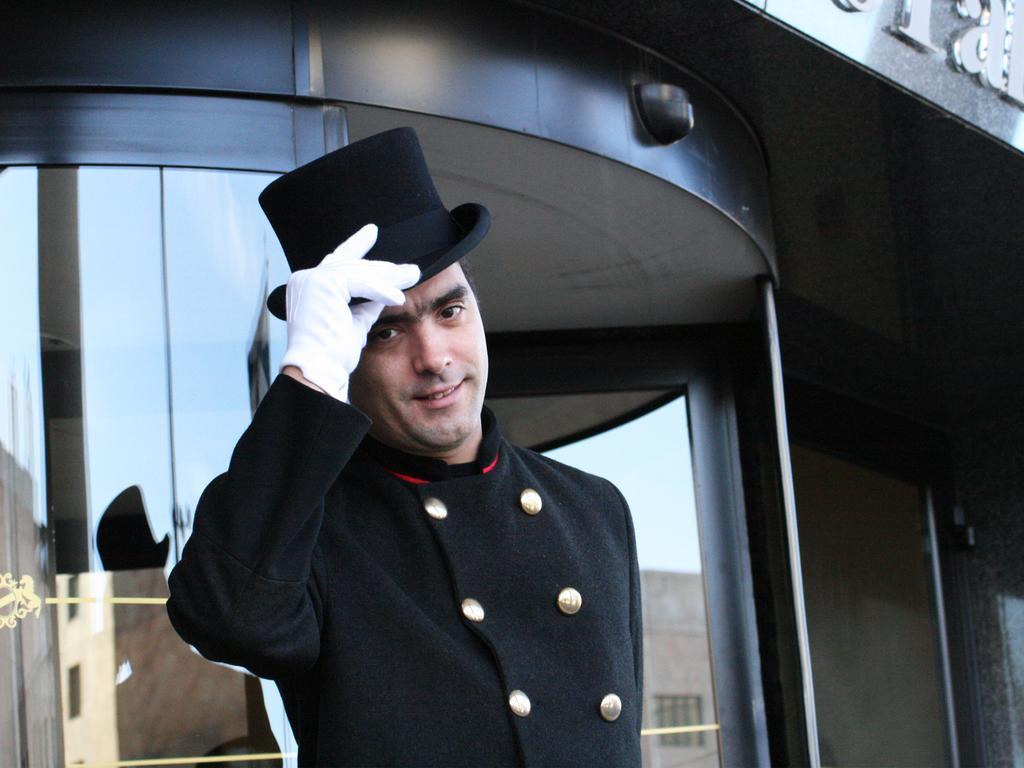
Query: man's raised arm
{"points": [[248, 588]]}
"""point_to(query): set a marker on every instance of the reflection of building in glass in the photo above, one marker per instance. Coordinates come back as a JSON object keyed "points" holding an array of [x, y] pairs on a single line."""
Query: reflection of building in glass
{"points": [[27, 719], [673, 711], [88, 669], [677, 677], [133, 691]]}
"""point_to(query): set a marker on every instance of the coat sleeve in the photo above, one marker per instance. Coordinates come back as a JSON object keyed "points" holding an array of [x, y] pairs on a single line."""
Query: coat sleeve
{"points": [[249, 589], [636, 620]]}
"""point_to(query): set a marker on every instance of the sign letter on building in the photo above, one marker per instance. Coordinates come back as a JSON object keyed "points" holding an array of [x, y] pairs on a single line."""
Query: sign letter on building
{"points": [[915, 23]]}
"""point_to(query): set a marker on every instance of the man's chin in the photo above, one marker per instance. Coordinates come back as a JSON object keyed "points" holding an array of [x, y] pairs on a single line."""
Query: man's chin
{"points": [[443, 435], [437, 441]]}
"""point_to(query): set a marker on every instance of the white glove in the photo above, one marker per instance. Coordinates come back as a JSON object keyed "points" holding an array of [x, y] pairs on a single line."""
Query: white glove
{"points": [[325, 335]]}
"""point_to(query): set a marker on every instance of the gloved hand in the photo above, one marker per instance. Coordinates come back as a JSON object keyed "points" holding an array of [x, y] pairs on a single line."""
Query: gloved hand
{"points": [[325, 335]]}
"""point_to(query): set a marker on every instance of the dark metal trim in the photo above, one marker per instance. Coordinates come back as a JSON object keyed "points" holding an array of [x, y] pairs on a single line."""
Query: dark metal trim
{"points": [[551, 362], [730, 591], [771, 331], [623, 418], [143, 129], [939, 606]]}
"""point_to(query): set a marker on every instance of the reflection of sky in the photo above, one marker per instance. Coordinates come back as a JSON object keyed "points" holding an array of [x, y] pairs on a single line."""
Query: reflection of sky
{"points": [[124, 360], [218, 245], [21, 397], [649, 460]]}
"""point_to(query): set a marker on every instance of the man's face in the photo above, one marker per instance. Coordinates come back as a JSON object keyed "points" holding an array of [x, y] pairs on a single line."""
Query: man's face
{"points": [[422, 375]]}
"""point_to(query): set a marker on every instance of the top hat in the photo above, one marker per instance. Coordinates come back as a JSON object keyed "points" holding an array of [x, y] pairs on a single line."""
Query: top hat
{"points": [[382, 180]]}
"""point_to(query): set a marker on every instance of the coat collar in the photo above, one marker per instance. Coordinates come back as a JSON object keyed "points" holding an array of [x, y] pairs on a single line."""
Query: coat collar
{"points": [[422, 469]]}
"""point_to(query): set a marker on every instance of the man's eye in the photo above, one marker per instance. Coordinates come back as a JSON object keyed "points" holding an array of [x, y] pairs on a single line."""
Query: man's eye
{"points": [[384, 334], [453, 311]]}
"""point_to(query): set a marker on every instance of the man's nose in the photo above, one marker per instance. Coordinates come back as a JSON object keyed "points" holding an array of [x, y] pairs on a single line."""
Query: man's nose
{"points": [[432, 354]]}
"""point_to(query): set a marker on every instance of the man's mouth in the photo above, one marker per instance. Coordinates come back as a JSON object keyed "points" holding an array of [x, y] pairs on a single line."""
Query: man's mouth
{"points": [[440, 394]]}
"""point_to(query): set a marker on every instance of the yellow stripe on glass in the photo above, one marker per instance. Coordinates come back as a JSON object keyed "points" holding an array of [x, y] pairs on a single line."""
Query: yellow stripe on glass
{"points": [[110, 600], [680, 729], [184, 760]]}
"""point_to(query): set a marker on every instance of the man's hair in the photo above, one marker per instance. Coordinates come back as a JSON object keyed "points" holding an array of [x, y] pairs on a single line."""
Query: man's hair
{"points": [[464, 263]]}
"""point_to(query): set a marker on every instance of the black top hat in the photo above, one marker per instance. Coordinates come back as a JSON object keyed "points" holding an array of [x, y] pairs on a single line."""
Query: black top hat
{"points": [[382, 180]]}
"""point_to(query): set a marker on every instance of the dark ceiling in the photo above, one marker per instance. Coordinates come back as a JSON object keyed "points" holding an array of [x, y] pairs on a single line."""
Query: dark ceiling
{"points": [[888, 213]]}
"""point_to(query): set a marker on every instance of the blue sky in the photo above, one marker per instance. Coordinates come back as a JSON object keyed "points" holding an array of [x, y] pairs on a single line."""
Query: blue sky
{"points": [[649, 460]]}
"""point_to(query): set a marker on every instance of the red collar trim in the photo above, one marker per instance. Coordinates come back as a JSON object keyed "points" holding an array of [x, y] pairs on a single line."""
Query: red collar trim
{"points": [[492, 465], [407, 478], [421, 481]]}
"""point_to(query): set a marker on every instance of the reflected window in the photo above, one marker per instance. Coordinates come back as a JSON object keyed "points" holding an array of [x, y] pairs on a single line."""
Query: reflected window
{"points": [[74, 691], [674, 711], [72, 594]]}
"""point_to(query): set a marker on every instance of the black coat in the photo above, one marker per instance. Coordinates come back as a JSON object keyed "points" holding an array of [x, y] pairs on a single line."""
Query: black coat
{"points": [[316, 565]]}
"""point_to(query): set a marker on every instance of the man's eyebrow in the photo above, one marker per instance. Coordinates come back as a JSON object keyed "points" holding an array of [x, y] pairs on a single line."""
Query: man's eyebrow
{"points": [[456, 293]]}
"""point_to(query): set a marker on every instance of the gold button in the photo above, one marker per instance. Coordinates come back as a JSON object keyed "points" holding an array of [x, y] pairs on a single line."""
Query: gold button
{"points": [[530, 500], [472, 609], [611, 707], [435, 508], [519, 703], [569, 601]]}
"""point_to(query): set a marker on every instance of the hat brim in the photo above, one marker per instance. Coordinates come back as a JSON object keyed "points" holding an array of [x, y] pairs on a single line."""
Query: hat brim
{"points": [[472, 218]]}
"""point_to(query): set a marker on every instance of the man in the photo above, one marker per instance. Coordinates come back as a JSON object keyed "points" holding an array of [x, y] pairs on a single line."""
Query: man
{"points": [[426, 593]]}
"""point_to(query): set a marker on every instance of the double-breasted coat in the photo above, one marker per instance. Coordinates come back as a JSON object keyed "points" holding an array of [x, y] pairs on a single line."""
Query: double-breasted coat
{"points": [[412, 613]]}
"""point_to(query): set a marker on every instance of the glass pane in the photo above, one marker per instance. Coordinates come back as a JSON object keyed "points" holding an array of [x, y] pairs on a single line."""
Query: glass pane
{"points": [[29, 701], [649, 460], [131, 690], [870, 621], [124, 367], [222, 260], [545, 421]]}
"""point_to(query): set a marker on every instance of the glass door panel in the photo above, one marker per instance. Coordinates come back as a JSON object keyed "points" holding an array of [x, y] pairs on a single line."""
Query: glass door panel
{"points": [[95, 358], [874, 639], [222, 260]]}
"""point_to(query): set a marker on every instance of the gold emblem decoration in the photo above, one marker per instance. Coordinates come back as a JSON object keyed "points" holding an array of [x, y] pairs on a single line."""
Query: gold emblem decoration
{"points": [[19, 594]]}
